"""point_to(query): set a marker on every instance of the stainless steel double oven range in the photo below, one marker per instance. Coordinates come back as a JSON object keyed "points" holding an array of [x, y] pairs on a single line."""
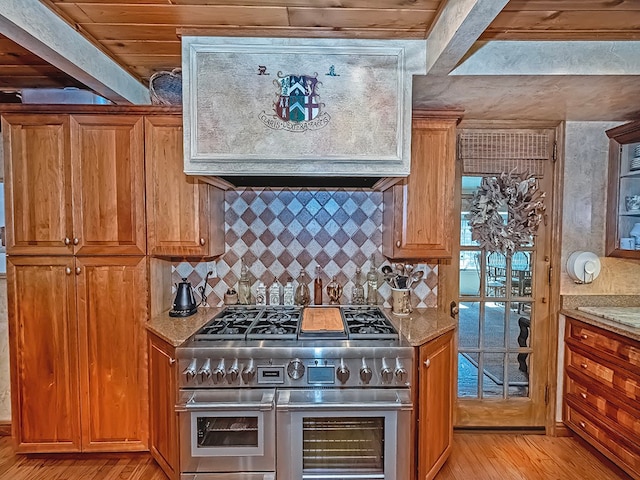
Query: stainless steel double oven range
{"points": [[261, 399]]}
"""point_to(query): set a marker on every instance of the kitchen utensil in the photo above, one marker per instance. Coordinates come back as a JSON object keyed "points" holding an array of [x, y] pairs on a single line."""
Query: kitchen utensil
{"points": [[415, 277], [184, 304]]}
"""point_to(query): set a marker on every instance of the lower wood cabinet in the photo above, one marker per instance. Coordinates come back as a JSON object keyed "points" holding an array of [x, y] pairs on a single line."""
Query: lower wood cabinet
{"points": [[436, 378], [162, 400], [602, 392], [78, 364]]}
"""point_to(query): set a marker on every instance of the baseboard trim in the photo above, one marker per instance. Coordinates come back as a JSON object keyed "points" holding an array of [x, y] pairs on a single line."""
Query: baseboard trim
{"points": [[5, 429], [562, 430]]}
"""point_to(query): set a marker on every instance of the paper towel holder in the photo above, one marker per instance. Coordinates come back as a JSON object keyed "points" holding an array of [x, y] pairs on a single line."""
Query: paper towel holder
{"points": [[583, 267]]}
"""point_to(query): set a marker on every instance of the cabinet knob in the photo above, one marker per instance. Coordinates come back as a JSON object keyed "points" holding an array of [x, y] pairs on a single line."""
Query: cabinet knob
{"points": [[67, 271], [427, 362], [583, 395], [582, 425], [584, 336], [76, 241], [67, 241], [584, 365], [172, 361], [398, 244], [78, 270], [202, 241]]}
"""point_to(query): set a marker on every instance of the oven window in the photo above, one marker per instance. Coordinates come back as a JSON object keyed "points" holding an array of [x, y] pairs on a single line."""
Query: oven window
{"points": [[343, 444], [222, 431]]}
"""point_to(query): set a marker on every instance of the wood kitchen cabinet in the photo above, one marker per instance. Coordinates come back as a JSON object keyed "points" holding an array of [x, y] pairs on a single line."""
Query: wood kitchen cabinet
{"points": [[185, 217], [623, 196], [602, 392], [418, 210], [163, 393], [74, 184], [78, 352], [435, 405]]}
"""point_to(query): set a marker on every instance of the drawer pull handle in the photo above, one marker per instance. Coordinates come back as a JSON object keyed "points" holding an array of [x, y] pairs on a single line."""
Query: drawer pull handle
{"points": [[582, 425], [584, 365], [583, 395]]}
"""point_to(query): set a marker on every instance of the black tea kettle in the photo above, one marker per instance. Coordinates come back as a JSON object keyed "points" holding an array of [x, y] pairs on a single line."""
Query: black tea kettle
{"points": [[184, 305]]}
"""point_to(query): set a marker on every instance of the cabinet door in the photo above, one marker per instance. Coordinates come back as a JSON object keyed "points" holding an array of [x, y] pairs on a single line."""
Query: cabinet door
{"points": [[38, 180], [107, 162], [184, 215], [435, 410], [162, 400], [44, 354], [112, 312], [418, 210]]}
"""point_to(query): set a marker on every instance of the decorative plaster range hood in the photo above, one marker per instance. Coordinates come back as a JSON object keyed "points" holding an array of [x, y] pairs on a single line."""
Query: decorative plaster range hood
{"points": [[298, 112]]}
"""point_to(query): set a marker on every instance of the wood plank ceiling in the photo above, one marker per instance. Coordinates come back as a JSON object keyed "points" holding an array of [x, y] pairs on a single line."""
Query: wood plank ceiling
{"points": [[143, 35]]}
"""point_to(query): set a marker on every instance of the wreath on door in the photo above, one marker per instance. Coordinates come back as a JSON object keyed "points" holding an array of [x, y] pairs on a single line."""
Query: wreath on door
{"points": [[524, 203]]}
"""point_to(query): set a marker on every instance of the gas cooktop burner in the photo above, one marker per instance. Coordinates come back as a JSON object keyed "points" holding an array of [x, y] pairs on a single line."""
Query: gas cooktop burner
{"points": [[282, 323]]}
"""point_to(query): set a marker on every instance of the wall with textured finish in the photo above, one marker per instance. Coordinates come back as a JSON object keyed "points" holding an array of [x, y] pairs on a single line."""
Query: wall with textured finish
{"points": [[584, 211], [282, 232]]}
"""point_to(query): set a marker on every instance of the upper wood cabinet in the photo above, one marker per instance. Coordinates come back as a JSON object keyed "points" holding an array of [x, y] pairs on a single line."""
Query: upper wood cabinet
{"points": [[185, 217], [623, 196], [435, 405], [75, 184], [418, 211], [72, 389]]}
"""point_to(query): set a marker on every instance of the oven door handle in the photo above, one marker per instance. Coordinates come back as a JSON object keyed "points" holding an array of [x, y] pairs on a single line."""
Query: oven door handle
{"points": [[403, 402], [265, 404]]}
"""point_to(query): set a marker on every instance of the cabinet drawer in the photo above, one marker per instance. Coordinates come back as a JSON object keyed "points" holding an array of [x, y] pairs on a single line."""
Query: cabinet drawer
{"points": [[624, 457], [615, 408], [621, 381], [594, 338]]}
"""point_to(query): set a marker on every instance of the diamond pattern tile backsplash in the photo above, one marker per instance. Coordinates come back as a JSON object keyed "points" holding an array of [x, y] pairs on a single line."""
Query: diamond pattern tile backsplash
{"points": [[281, 232]]}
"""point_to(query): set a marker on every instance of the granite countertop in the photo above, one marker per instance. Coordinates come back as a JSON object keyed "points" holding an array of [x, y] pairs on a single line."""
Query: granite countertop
{"points": [[421, 326], [621, 320]]}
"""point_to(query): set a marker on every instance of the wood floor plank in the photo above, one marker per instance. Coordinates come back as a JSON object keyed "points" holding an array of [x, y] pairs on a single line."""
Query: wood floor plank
{"points": [[507, 456]]}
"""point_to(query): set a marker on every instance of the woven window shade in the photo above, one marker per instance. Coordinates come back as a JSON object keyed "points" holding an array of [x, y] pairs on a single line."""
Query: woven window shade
{"points": [[494, 152]]}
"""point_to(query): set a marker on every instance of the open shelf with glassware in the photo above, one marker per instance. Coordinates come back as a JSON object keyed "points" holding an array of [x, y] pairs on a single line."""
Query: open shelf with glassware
{"points": [[623, 204]]}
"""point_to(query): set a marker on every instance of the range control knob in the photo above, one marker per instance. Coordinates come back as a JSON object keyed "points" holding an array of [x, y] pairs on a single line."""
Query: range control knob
{"points": [[219, 372], [248, 372], [232, 372], [365, 373], [205, 371], [386, 373], [343, 372], [401, 372], [190, 372], [295, 369]]}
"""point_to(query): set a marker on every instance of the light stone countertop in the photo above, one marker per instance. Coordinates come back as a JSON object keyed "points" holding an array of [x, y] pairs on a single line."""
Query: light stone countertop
{"points": [[596, 316], [421, 326]]}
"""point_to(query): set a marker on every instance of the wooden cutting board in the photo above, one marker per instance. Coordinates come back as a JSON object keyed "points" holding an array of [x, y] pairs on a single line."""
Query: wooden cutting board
{"points": [[322, 320]]}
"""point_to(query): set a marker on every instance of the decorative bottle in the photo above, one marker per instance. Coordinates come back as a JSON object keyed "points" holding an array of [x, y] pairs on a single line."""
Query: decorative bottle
{"points": [[288, 299], [261, 293], [334, 290], [372, 284], [302, 296], [244, 286], [317, 287], [357, 293], [274, 292]]}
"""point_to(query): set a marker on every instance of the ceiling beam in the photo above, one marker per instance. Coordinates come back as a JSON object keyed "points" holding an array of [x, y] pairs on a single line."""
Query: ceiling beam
{"points": [[459, 25], [552, 58], [36, 28]]}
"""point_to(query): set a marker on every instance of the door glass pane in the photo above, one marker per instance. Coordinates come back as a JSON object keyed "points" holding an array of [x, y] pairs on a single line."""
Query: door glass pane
{"points": [[494, 319], [236, 431], [343, 444]]}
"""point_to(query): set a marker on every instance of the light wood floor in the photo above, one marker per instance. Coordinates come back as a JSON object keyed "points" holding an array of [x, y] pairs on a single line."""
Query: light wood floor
{"points": [[490, 456], [475, 456]]}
